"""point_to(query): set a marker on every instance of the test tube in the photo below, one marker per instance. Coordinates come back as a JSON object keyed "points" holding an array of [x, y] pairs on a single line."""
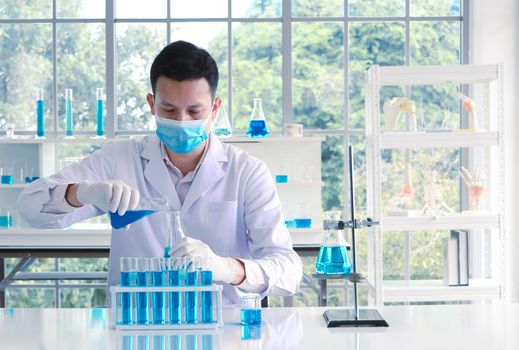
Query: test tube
{"points": [[191, 305], [100, 109], [173, 274], [127, 275], [40, 114], [143, 270], [69, 114], [250, 309], [206, 278], [159, 310]]}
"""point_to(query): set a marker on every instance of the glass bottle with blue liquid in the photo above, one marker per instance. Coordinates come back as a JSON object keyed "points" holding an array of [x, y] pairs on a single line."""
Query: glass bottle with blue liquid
{"points": [[258, 124], [333, 256]]}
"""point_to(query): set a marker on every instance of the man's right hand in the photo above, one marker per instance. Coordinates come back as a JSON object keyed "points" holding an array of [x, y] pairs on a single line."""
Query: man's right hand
{"points": [[113, 195]]}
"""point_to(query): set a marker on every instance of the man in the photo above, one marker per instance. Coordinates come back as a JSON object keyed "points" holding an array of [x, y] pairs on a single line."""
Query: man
{"points": [[227, 199]]}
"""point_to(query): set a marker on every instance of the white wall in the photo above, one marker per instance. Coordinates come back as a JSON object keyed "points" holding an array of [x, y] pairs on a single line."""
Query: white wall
{"points": [[494, 38]]}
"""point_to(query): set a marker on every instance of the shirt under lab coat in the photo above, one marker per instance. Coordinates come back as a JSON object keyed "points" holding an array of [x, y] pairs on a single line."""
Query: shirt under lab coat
{"points": [[232, 205]]}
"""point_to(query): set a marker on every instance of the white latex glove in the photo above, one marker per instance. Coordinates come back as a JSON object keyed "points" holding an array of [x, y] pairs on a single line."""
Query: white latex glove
{"points": [[224, 268], [113, 195]]}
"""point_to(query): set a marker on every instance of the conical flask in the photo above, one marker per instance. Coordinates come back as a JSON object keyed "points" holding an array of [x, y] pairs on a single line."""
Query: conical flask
{"points": [[222, 127], [333, 256], [176, 232], [146, 206], [258, 124]]}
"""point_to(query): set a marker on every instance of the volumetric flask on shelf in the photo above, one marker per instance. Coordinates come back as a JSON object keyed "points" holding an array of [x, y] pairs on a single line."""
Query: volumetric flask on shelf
{"points": [[258, 124], [333, 256], [147, 206], [222, 126]]}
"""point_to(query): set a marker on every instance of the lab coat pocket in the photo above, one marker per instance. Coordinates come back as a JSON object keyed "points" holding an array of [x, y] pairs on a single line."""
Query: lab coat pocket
{"points": [[222, 221]]}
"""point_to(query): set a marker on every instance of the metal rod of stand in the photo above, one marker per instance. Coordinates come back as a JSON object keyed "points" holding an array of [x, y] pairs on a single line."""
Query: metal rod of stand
{"points": [[353, 226]]}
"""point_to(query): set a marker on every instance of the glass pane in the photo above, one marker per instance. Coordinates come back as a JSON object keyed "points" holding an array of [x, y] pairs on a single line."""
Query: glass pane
{"points": [[137, 47], [327, 8], [25, 52], [141, 9], [256, 72], [434, 43], [435, 7], [85, 298], [427, 255], [81, 67], [437, 107], [30, 297], [199, 9], [318, 57], [376, 8], [23, 9], [381, 43], [81, 9], [332, 172], [256, 9], [211, 37], [83, 264], [393, 255]]}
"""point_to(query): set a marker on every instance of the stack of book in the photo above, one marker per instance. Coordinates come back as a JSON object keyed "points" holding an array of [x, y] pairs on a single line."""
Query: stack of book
{"points": [[456, 255]]}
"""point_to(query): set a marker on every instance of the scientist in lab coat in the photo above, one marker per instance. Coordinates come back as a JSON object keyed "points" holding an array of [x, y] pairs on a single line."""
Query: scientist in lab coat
{"points": [[227, 199]]}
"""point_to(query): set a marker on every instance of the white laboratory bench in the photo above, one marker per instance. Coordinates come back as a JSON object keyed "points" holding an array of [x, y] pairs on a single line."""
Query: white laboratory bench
{"points": [[477, 326]]}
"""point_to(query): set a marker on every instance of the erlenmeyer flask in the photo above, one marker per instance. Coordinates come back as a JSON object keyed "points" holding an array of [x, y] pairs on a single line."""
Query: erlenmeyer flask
{"points": [[147, 206], [222, 127], [333, 256], [257, 124]]}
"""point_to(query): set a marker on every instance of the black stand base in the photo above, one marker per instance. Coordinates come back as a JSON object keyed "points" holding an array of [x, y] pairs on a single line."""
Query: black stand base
{"points": [[346, 318]]}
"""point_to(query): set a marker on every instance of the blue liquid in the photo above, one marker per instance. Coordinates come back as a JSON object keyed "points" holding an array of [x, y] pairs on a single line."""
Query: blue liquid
{"points": [[126, 299], [258, 128], [129, 217], [68, 114], [333, 260], [290, 223], [303, 223], [142, 299], [166, 251], [250, 332], [174, 297], [7, 179], [281, 179], [222, 132], [159, 309], [40, 118], [207, 297], [100, 108], [191, 302], [250, 317], [6, 221]]}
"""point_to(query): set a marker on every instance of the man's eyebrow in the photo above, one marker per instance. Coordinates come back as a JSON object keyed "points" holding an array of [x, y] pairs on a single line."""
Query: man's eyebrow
{"points": [[167, 104]]}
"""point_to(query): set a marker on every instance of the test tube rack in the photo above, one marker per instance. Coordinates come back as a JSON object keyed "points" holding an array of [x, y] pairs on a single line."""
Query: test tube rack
{"points": [[115, 313]]}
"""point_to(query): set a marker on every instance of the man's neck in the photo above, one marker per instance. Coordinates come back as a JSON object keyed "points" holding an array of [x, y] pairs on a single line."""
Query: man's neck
{"points": [[189, 161]]}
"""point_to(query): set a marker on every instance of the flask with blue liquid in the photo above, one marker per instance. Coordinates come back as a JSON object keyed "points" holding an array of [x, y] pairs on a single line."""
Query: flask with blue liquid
{"points": [[333, 256], [258, 124], [222, 126]]}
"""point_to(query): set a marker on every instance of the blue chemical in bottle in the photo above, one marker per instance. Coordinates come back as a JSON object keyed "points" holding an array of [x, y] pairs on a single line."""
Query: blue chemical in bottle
{"points": [[258, 128], [303, 223], [174, 297], [142, 299], [126, 299], [333, 260], [250, 317], [207, 297], [159, 310], [129, 217], [7, 179], [100, 108], [40, 115], [281, 179], [191, 299]]}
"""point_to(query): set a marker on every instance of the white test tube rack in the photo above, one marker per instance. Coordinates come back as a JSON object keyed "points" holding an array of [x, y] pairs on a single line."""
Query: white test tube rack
{"points": [[216, 290]]}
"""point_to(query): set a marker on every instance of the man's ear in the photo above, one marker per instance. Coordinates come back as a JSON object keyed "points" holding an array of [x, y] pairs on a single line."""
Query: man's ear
{"points": [[151, 102], [216, 106]]}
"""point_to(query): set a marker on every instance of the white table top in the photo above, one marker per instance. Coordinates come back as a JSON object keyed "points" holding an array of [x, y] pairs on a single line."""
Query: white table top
{"points": [[483, 326]]}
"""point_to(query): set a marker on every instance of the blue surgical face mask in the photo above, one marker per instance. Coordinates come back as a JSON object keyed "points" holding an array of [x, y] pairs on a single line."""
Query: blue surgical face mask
{"points": [[182, 136]]}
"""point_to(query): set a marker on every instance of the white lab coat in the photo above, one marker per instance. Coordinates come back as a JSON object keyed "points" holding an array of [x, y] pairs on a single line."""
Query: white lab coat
{"points": [[232, 205]]}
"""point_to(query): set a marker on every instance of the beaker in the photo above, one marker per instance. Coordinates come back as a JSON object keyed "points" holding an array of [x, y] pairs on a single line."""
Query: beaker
{"points": [[258, 124], [302, 219], [146, 206], [222, 126], [333, 256]]}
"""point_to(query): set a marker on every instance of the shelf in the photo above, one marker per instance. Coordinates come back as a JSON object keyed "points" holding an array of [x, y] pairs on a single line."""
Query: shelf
{"points": [[13, 186], [299, 185], [429, 223], [435, 290], [445, 74], [404, 139], [306, 236], [271, 139]]}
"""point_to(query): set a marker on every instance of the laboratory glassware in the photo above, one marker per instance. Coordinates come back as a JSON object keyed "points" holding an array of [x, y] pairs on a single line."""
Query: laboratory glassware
{"points": [[174, 265], [191, 298], [258, 124], [206, 279], [143, 280], [40, 114], [175, 231], [100, 111], [6, 218], [302, 220], [128, 279], [146, 206], [9, 130], [222, 126], [281, 174], [6, 173], [333, 255], [250, 309], [69, 116], [159, 308]]}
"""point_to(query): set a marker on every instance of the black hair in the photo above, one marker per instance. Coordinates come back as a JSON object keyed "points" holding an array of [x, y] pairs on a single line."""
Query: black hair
{"points": [[182, 61]]}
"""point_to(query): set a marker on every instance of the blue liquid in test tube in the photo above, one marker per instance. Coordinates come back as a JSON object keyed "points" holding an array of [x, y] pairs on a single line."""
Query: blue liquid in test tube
{"points": [[126, 299], [69, 113], [40, 114], [100, 109], [174, 297], [207, 297], [191, 298], [159, 310], [142, 297]]}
